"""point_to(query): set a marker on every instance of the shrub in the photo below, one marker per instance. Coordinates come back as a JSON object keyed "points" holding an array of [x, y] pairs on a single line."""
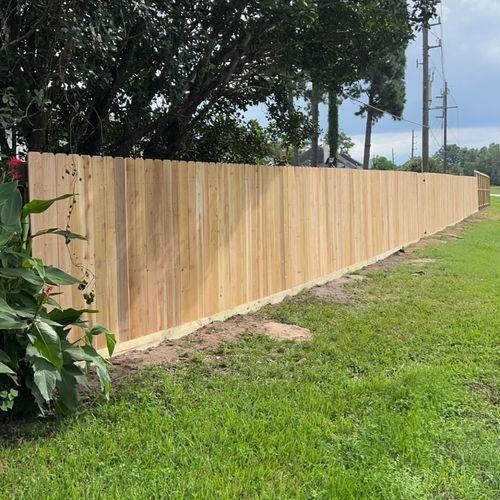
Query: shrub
{"points": [[40, 368]]}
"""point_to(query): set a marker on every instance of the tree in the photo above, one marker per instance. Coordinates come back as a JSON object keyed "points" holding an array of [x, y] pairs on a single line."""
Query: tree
{"points": [[415, 165], [345, 143], [83, 78], [386, 91], [346, 38], [383, 163], [463, 161], [145, 77], [229, 140]]}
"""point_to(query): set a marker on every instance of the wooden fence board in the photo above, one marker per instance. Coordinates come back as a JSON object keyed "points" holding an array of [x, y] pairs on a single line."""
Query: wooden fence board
{"points": [[171, 243]]}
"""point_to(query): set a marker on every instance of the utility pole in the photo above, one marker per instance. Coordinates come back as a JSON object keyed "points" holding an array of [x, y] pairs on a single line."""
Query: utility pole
{"points": [[393, 156], [426, 95], [445, 109], [412, 144], [425, 102]]}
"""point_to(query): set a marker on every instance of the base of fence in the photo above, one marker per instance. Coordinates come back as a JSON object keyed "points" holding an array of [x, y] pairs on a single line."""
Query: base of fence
{"points": [[177, 332]]}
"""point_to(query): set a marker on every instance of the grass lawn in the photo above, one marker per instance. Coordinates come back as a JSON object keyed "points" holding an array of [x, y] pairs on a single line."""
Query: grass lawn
{"points": [[396, 397], [495, 190]]}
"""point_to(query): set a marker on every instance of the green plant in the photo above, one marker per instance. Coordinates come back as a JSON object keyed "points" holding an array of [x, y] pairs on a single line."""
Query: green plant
{"points": [[40, 367]]}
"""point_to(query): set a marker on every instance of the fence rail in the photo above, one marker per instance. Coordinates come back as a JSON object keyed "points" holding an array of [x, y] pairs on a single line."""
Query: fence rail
{"points": [[173, 245], [483, 189]]}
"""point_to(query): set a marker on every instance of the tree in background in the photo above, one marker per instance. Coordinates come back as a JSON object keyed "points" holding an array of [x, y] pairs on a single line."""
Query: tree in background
{"points": [[386, 91], [231, 140], [383, 163], [463, 161], [415, 165], [374, 30], [345, 143], [145, 77]]}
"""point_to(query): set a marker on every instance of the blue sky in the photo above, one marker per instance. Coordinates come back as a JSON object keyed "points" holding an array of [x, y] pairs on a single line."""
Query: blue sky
{"points": [[471, 40]]}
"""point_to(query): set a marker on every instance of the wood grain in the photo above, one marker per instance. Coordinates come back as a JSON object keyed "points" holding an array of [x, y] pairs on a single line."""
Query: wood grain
{"points": [[172, 243]]}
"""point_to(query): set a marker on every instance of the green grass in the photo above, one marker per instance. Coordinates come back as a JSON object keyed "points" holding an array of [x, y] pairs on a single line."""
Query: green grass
{"points": [[495, 190], [396, 397]]}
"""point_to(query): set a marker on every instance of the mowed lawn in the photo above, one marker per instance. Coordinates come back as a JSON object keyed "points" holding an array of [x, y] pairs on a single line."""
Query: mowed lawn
{"points": [[396, 397]]}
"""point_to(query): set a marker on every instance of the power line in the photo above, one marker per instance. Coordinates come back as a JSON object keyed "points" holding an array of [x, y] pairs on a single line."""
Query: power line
{"points": [[385, 112]]}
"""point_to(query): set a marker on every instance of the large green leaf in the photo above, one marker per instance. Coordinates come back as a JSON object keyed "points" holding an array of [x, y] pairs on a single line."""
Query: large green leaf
{"points": [[47, 343], [101, 366], [26, 274], [39, 206], [68, 395], [110, 337], [45, 377], [6, 190], [4, 358], [11, 322], [10, 212], [4, 307], [8, 233], [71, 377], [55, 276], [21, 311], [68, 316], [5, 369]]}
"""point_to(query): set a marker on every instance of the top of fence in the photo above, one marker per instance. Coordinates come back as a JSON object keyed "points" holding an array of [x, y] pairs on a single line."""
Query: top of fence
{"points": [[477, 172], [75, 156]]}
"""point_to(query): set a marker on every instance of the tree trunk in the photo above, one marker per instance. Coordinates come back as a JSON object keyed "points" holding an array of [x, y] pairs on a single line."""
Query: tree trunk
{"points": [[368, 138], [37, 134], [315, 120], [333, 126], [296, 156]]}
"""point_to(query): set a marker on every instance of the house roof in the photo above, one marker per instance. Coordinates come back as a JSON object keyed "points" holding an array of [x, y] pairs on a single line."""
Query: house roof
{"points": [[344, 161]]}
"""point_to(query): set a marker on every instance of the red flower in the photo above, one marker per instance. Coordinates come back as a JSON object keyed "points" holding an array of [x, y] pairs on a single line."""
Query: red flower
{"points": [[14, 162], [48, 291], [17, 176]]}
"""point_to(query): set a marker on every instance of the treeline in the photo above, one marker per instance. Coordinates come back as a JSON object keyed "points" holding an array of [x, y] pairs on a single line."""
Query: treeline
{"points": [[463, 161], [460, 161], [171, 78]]}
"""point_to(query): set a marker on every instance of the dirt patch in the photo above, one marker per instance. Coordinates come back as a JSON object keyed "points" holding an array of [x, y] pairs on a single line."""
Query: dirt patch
{"points": [[391, 261], [279, 331], [336, 290], [206, 342], [421, 262]]}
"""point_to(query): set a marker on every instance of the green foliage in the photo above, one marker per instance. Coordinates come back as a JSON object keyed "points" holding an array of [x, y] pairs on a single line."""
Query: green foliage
{"points": [[345, 143], [229, 140], [415, 165], [81, 70], [463, 161], [39, 366], [333, 135], [383, 163]]}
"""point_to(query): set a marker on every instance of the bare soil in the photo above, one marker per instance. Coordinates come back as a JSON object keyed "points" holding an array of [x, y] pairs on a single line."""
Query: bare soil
{"points": [[206, 341]]}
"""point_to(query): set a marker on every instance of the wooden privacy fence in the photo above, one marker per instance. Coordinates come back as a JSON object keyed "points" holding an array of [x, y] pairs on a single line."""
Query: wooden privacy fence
{"points": [[173, 245], [483, 189]]}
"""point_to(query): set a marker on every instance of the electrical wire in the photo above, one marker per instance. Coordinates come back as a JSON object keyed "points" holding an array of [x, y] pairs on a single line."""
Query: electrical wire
{"points": [[385, 112]]}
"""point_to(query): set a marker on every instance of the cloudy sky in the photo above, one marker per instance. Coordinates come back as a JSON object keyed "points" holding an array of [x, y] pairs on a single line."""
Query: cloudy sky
{"points": [[471, 41]]}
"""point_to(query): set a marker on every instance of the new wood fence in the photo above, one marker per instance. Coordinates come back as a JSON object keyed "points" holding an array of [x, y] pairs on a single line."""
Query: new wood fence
{"points": [[483, 189], [173, 245]]}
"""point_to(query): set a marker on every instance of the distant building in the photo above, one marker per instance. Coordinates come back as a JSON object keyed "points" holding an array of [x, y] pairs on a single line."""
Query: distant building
{"points": [[324, 160]]}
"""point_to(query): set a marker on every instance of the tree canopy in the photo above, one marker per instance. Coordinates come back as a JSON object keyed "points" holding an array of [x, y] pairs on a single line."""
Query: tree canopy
{"points": [[147, 77]]}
